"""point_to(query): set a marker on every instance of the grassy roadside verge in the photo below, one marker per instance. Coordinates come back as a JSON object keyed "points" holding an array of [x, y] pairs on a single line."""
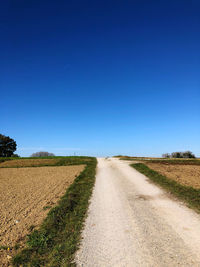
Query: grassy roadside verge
{"points": [[165, 161], [61, 161], [189, 195], [57, 239], [177, 161]]}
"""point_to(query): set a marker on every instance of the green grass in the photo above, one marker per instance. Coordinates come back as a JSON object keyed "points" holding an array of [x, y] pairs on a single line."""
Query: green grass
{"points": [[165, 161], [189, 195], [176, 161], [4, 159], [57, 239], [46, 207], [62, 161], [3, 247]]}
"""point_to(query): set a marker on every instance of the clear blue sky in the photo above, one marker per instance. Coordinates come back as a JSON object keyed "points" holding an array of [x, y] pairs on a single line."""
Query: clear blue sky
{"points": [[100, 77]]}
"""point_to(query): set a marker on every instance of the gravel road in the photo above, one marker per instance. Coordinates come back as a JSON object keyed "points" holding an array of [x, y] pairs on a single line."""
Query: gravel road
{"points": [[132, 222]]}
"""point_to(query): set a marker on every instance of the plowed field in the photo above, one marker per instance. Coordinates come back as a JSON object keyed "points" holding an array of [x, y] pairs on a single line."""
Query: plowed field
{"points": [[28, 162], [25, 194], [188, 175]]}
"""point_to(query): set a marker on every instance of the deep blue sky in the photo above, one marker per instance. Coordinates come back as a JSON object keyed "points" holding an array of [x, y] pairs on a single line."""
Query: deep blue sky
{"points": [[100, 77]]}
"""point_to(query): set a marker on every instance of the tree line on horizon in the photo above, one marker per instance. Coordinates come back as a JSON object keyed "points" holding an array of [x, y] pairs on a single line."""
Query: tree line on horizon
{"points": [[42, 154], [184, 155], [8, 146]]}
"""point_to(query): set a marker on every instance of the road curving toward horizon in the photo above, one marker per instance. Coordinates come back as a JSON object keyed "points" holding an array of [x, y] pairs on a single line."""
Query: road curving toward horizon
{"points": [[132, 222]]}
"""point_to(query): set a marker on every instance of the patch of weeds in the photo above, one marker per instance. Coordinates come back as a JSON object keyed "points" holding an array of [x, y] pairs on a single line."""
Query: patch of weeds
{"points": [[17, 246], [57, 239], [176, 161], [31, 227], [61, 161], [4, 247], [190, 195], [46, 207], [38, 240]]}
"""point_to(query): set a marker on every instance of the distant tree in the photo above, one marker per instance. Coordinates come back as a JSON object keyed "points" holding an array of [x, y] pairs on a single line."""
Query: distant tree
{"points": [[7, 146], [188, 154], [42, 154], [166, 155], [176, 155]]}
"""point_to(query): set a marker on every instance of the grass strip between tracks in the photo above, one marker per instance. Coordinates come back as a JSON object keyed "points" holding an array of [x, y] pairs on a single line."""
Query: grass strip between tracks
{"points": [[189, 195], [57, 239]]}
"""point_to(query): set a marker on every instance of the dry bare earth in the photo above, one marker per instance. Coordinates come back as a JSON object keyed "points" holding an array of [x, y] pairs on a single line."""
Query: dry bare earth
{"points": [[188, 175], [24, 192], [28, 162], [132, 222]]}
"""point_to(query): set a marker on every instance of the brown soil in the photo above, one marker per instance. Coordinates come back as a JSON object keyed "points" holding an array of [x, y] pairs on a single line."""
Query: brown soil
{"points": [[24, 194], [28, 162], [188, 175]]}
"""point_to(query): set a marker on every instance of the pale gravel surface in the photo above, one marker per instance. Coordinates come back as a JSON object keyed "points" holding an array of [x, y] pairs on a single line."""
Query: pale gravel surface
{"points": [[132, 222]]}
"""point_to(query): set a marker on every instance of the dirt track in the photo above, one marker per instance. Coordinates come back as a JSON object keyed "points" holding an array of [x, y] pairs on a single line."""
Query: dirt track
{"points": [[24, 192], [132, 222]]}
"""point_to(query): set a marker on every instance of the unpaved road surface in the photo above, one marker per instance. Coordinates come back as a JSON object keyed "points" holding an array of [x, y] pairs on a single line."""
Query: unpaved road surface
{"points": [[132, 222]]}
